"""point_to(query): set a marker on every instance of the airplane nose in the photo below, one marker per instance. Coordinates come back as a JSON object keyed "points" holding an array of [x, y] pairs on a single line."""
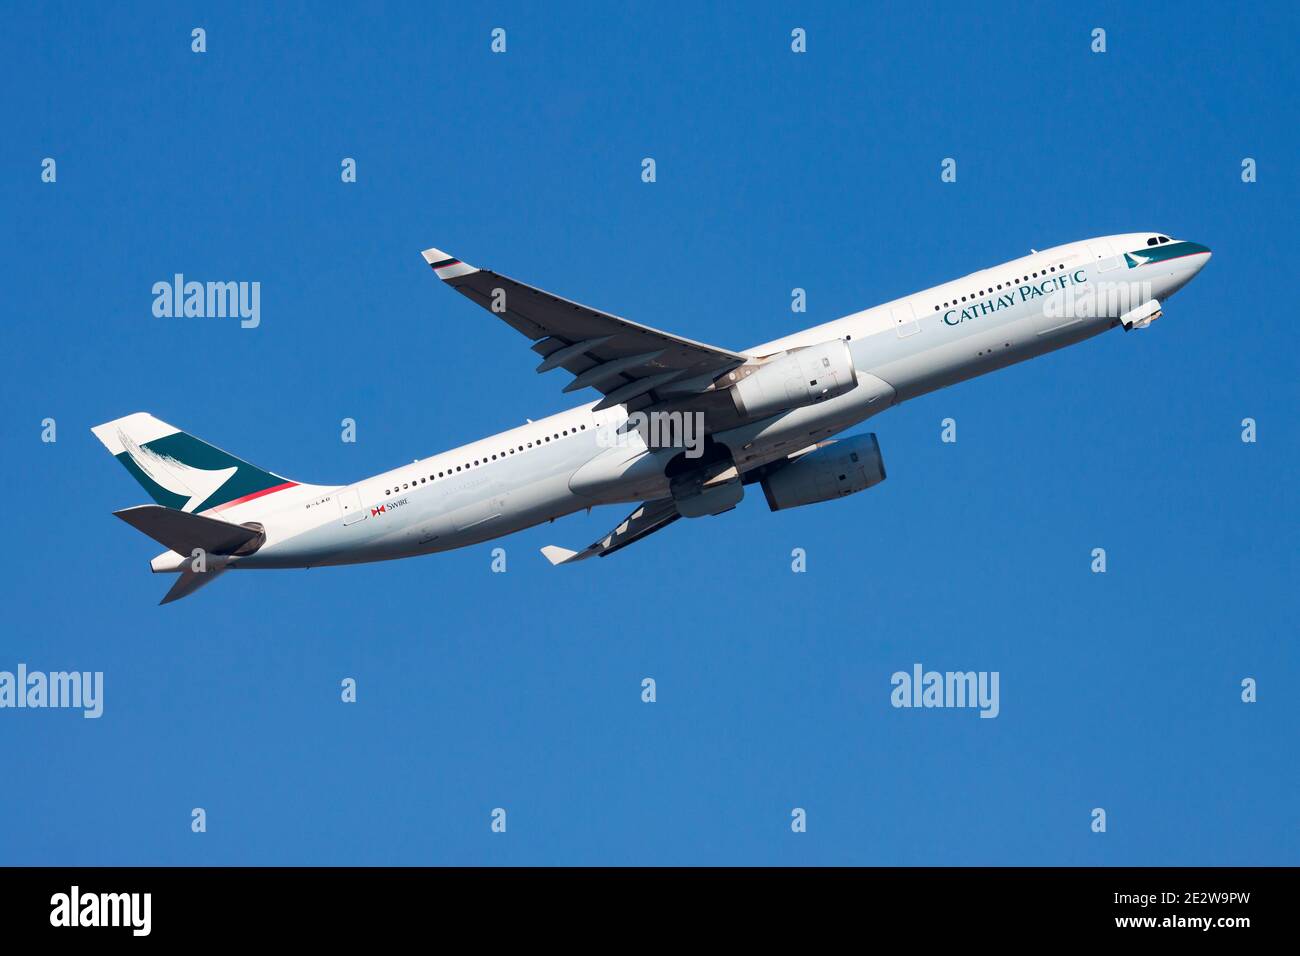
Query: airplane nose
{"points": [[1201, 253]]}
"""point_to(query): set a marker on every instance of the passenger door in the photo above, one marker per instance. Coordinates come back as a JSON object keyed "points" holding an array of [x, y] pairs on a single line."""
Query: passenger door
{"points": [[905, 323], [1103, 255], [350, 506]]}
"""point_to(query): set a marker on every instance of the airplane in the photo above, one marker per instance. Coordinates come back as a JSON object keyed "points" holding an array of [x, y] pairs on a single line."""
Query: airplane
{"points": [[681, 427]]}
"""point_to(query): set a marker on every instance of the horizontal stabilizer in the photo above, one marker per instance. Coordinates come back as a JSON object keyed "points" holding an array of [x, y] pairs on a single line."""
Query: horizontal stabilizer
{"points": [[188, 582], [184, 532]]}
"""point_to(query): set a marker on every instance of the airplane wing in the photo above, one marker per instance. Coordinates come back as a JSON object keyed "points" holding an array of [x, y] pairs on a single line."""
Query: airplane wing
{"points": [[628, 363], [648, 518]]}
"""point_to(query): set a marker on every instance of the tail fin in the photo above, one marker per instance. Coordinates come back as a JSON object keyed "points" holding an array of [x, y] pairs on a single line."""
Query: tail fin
{"points": [[180, 471]]}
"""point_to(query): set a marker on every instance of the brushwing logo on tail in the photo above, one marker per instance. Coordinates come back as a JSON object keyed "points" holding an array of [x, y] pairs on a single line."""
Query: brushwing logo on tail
{"points": [[186, 481]]}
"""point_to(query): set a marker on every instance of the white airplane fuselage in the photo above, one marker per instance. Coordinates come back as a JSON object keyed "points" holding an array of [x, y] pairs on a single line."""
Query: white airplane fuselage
{"points": [[562, 464]]}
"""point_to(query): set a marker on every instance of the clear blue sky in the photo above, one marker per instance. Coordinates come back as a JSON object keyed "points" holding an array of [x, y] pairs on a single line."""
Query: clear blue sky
{"points": [[522, 690]]}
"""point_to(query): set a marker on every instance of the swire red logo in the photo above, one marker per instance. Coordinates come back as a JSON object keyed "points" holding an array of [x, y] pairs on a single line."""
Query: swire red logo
{"points": [[378, 511]]}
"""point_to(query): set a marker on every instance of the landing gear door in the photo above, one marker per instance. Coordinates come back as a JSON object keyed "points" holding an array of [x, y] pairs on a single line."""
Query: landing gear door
{"points": [[350, 505], [905, 323]]}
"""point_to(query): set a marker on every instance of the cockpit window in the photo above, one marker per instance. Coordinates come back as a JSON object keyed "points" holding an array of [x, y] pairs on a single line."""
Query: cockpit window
{"points": [[1164, 239], [1153, 240]]}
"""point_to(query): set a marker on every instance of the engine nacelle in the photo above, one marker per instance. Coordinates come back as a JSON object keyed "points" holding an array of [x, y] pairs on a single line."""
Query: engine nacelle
{"points": [[801, 377], [834, 470]]}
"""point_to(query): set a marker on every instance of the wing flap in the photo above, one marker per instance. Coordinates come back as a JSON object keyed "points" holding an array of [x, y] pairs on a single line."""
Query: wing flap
{"points": [[649, 517]]}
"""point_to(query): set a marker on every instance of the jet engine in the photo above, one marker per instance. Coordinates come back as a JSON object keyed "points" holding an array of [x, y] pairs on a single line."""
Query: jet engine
{"points": [[802, 376], [832, 470]]}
